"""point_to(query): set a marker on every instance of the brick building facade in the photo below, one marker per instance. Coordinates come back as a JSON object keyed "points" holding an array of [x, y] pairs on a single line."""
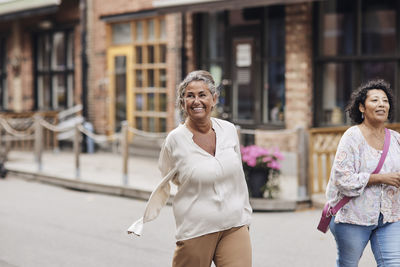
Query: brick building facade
{"points": [[102, 18], [281, 65], [20, 31]]}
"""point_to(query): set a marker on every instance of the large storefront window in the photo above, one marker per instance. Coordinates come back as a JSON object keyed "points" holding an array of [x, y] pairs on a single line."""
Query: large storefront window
{"points": [[138, 64], [274, 66], [357, 41], [244, 49], [54, 68], [3, 75]]}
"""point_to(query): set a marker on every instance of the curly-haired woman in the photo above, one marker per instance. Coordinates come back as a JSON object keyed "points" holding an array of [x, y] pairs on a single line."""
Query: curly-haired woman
{"points": [[373, 212]]}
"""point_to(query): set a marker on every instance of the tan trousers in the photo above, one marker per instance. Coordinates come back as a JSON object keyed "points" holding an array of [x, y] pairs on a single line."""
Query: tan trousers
{"points": [[229, 248]]}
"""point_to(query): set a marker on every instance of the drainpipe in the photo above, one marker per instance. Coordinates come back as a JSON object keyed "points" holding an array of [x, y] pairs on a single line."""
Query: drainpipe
{"points": [[85, 65]]}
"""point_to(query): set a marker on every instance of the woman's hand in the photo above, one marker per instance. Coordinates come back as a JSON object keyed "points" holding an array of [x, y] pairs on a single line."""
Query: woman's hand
{"points": [[392, 178]]}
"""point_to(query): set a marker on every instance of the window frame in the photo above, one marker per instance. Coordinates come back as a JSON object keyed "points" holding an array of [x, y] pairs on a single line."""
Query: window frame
{"points": [[262, 57], [66, 72], [3, 74], [356, 60], [153, 91]]}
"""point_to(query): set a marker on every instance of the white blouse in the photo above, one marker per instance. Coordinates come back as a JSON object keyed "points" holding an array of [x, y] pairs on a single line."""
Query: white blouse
{"points": [[212, 194]]}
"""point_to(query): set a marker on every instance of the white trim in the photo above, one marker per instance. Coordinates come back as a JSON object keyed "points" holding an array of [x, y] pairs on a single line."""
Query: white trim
{"points": [[7, 7], [171, 3]]}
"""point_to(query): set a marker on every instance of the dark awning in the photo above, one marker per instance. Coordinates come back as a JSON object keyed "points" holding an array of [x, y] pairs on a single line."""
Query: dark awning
{"points": [[14, 9], [171, 6]]}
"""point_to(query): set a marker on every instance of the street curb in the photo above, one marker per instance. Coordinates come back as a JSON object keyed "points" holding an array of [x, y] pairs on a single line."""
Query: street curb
{"points": [[263, 204], [258, 204], [82, 185]]}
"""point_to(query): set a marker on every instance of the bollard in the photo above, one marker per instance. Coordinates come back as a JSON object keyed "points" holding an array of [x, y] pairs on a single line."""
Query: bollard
{"points": [[77, 137], [89, 141], [125, 147], [38, 141]]}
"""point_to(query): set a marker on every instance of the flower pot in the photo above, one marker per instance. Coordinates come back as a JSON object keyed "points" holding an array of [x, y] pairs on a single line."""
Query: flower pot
{"points": [[257, 180]]}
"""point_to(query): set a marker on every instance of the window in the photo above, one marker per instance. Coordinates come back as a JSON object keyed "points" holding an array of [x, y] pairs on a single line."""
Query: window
{"points": [[274, 66], [140, 89], [244, 50], [121, 33], [3, 75], [357, 41], [212, 51], [150, 74], [54, 68]]}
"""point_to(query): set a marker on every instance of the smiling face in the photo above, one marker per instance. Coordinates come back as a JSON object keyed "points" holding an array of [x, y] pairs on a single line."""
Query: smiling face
{"points": [[198, 100], [376, 106]]}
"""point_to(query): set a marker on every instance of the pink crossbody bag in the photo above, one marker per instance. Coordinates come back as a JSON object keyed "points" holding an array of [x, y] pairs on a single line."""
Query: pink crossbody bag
{"points": [[329, 211]]}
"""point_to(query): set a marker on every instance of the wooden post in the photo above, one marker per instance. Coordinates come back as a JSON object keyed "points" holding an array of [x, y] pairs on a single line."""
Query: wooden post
{"points": [[38, 141], [302, 165], [77, 139], [311, 163], [125, 154]]}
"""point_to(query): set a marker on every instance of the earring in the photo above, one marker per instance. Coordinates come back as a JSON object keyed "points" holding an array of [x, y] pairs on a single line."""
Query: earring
{"points": [[362, 115]]}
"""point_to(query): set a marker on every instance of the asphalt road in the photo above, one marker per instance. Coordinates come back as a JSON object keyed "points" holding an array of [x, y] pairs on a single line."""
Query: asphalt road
{"points": [[47, 226]]}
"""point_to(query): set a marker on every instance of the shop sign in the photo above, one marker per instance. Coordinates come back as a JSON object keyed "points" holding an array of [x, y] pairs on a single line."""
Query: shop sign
{"points": [[243, 55]]}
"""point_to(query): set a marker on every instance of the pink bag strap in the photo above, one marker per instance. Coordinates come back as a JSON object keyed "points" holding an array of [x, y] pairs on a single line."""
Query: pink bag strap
{"points": [[386, 144], [385, 151]]}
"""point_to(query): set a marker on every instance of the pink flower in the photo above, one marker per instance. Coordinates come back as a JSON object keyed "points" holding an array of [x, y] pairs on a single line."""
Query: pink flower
{"points": [[252, 162], [258, 157], [274, 165]]}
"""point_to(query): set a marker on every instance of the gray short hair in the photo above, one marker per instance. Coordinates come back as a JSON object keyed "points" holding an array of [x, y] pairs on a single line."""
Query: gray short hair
{"points": [[197, 75]]}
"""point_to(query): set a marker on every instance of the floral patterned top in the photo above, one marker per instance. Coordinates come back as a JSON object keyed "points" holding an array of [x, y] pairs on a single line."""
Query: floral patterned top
{"points": [[355, 160]]}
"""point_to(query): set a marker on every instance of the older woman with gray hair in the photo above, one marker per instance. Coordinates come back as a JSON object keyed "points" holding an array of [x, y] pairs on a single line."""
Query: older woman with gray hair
{"points": [[211, 207]]}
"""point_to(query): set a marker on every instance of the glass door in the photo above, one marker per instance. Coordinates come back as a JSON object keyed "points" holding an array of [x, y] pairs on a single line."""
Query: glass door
{"points": [[245, 89], [120, 87]]}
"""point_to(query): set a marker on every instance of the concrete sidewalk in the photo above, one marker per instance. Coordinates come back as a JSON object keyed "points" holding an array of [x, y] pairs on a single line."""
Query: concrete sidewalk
{"points": [[102, 172]]}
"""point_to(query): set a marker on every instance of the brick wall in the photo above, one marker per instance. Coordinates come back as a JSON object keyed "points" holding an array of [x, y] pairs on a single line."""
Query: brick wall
{"points": [[97, 76], [298, 77], [298, 80], [104, 8], [174, 35], [189, 44], [285, 140]]}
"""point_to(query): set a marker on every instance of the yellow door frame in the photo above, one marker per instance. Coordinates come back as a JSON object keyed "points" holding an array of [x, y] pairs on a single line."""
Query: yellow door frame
{"points": [[112, 52]]}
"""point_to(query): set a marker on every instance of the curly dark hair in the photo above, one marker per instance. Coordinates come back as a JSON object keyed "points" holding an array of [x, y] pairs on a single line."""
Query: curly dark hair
{"points": [[360, 95]]}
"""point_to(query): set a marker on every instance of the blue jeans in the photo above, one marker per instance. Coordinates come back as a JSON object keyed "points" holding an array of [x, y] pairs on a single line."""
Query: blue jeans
{"points": [[351, 240]]}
